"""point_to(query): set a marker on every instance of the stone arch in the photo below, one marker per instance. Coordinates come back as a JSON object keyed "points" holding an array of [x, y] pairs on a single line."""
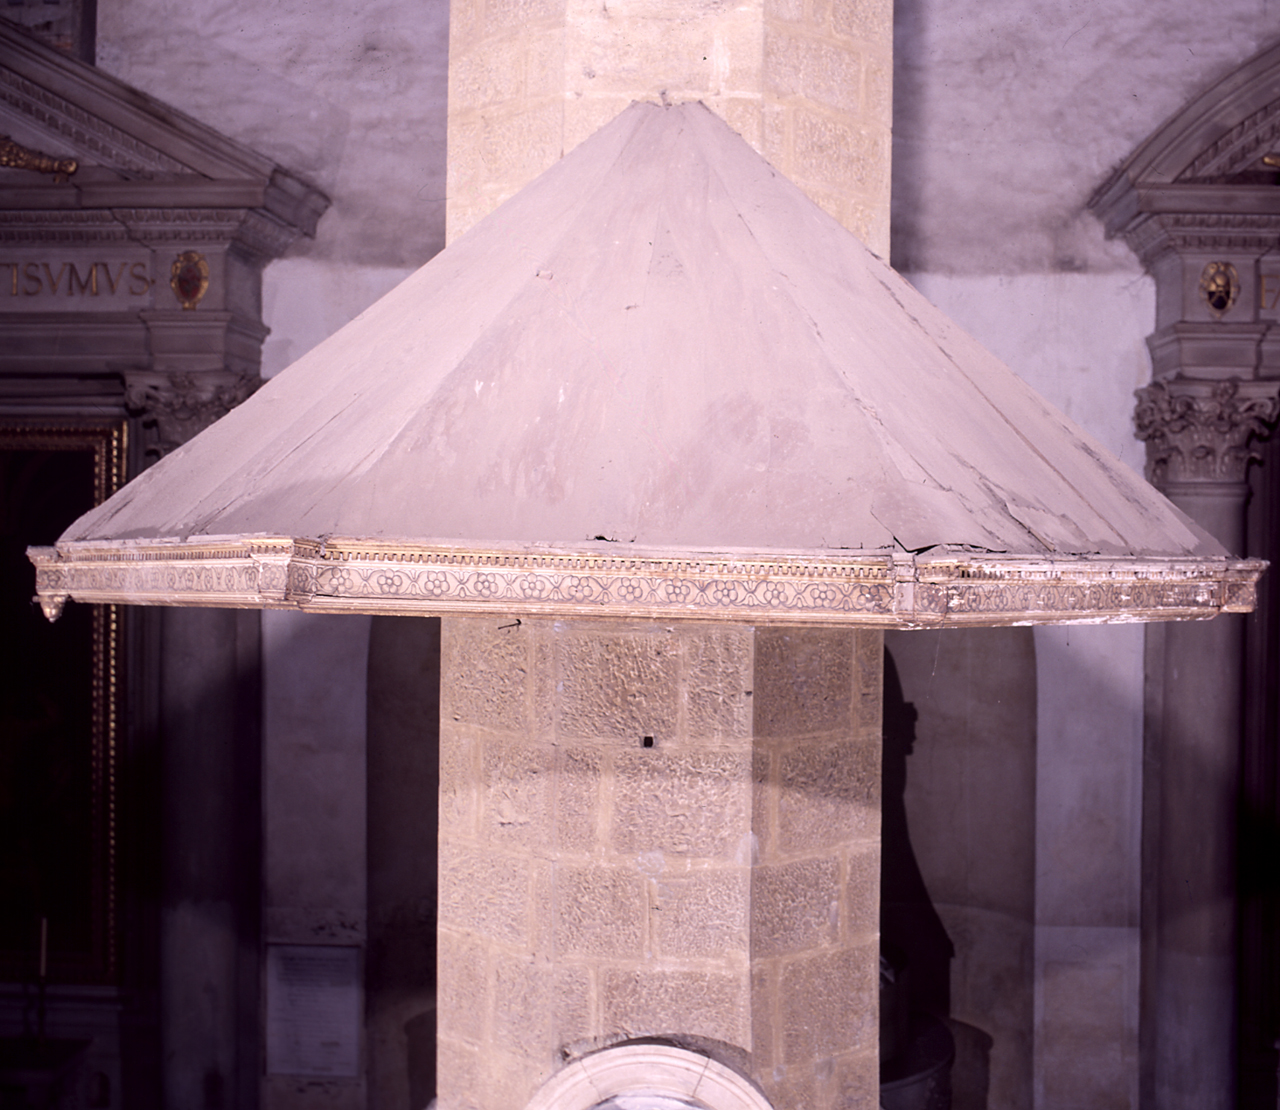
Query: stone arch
{"points": [[658, 1075]]}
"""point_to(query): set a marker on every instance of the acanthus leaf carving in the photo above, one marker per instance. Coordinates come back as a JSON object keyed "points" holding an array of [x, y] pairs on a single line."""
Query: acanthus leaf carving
{"points": [[179, 406], [1201, 431]]}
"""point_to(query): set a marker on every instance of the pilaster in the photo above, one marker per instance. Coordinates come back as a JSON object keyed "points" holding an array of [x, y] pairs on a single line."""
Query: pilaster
{"points": [[658, 831], [809, 83]]}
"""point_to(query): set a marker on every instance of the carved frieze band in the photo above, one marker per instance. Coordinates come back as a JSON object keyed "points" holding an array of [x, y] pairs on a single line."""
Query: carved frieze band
{"points": [[1149, 235], [1200, 431], [888, 591]]}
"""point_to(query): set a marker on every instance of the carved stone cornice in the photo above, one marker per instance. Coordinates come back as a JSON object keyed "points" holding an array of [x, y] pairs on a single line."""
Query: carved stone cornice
{"points": [[264, 236], [187, 225], [178, 406], [69, 226], [1151, 234], [1200, 431], [875, 590], [1239, 148]]}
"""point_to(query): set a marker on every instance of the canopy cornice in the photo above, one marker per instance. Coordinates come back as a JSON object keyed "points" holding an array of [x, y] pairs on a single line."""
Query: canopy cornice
{"points": [[878, 589]]}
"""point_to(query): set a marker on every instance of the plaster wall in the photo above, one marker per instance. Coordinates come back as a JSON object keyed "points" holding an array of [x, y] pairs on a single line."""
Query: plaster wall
{"points": [[1008, 114], [314, 821]]}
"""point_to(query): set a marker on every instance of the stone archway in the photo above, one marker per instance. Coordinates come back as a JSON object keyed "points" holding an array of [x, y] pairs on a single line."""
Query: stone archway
{"points": [[648, 1076]]}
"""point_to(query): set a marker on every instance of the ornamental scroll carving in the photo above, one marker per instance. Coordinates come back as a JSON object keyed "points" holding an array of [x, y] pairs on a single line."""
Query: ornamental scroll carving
{"points": [[1200, 431], [20, 157], [176, 407]]}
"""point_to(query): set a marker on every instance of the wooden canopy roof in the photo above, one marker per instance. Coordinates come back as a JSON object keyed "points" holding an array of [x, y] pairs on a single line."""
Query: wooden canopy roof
{"points": [[659, 381]]}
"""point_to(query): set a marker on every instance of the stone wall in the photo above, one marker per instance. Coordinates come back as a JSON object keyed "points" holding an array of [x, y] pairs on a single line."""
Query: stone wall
{"points": [[808, 84], [658, 831]]}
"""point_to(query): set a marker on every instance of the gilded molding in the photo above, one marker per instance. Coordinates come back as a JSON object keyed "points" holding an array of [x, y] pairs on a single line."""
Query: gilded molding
{"points": [[878, 590], [1199, 431]]}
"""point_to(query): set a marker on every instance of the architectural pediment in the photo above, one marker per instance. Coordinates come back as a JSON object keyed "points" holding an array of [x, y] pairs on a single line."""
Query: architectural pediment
{"points": [[130, 150], [132, 243], [1219, 155]]}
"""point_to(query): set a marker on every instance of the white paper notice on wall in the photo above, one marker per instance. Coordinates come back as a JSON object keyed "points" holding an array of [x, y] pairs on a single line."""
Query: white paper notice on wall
{"points": [[313, 1010]]}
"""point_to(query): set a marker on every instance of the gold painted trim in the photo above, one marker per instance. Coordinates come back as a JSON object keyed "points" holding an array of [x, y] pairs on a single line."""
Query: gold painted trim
{"points": [[881, 590], [108, 443]]}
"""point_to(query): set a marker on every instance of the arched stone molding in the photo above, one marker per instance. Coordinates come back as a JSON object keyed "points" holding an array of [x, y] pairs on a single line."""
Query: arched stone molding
{"points": [[648, 1069], [1198, 203]]}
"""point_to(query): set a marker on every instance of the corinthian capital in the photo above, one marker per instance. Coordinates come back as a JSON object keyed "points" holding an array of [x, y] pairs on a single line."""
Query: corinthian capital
{"points": [[176, 407], [1200, 431]]}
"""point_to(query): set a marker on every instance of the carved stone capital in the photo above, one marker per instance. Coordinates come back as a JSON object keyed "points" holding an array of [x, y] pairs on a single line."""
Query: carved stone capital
{"points": [[176, 407], [1200, 431]]}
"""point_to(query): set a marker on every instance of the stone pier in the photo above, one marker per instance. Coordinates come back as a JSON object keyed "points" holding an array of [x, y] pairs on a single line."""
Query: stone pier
{"points": [[659, 831]]}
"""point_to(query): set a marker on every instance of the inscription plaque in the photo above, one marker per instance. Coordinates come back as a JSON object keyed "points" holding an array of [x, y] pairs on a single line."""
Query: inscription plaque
{"points": [[313, 1010], [74, 281]]}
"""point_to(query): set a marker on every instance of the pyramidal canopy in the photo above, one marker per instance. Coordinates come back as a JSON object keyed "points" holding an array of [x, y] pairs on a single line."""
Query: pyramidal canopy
{"points": [[659, 381]]}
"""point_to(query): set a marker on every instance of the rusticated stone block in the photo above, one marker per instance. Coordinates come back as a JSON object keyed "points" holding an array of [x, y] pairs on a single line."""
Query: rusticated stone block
{"points": [[804, 681], [458, 1072], [742, 113], [538, 1006], [485, 892], [647, 1002], [832, 76], [828, 794], [828, 1003], [517, 792], [586, 114], [862, 892], [682, 802], [795, 906], [878, 90], [489, 75], [868, 20], [502, 15], [463, 977], [790, 10], [765, 1016], [795, 1087], [764, 805], [620, 686], [599, 911], [841, 154], [718, 681], [577, 801], [459, 781], [702, 914], [783, 61], [856, 1082], [507, 1080], [487, 668]]}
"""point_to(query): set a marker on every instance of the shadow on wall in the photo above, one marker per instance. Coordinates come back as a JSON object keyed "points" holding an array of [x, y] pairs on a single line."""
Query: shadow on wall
{"points": [[958, 846], [909, 924], [403, 786]]}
